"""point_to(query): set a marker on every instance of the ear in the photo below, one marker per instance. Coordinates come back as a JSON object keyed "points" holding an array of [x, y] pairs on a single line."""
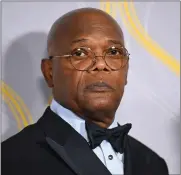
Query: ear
{"points": [[126, 75], [126, 82], [46, 68]]}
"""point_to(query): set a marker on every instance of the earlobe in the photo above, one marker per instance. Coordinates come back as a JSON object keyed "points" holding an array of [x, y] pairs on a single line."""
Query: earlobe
{"points": [[126, 82], [126, 77], [46, 68]]}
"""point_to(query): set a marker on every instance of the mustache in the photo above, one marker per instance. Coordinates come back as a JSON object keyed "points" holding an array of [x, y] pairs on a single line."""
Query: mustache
{"points": [[99, 84]]}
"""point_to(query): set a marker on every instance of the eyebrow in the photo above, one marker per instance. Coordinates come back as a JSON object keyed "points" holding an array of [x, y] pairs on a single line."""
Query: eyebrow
{"points": [[115, 42], [79, 40]]}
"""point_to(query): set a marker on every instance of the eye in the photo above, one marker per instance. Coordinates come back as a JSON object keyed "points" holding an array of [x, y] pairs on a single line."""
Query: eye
{"points": [[80, 53], [114, 51]]}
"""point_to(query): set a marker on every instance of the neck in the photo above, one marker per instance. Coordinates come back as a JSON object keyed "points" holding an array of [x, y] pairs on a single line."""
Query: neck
{"points": [[100, 118]]}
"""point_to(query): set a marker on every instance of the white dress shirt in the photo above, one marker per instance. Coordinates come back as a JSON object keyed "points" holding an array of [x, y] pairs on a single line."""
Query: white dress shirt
{"points": [[112, 160]]}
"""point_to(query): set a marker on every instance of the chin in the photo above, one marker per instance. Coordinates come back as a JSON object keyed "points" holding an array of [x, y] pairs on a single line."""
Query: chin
{"points": [[103, 105], [99, 102]]}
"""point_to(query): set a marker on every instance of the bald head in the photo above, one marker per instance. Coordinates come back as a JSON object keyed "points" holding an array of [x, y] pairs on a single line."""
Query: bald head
{"points": [[79, 22]]}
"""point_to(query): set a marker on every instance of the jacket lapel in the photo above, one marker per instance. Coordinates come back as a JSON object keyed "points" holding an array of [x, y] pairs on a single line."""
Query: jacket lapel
{"points": [[62, 153], [70, 145], [128, 164], [136, 161]]}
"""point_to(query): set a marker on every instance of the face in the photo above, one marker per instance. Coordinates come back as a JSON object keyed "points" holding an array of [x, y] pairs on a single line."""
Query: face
{"points": [[93, 94]]}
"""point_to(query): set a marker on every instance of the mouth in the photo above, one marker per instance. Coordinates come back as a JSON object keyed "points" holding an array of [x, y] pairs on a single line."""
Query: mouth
{"points": [[99, 87]]}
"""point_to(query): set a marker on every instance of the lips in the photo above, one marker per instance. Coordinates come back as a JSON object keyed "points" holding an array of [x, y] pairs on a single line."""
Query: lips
{"points": [[99, 87]]}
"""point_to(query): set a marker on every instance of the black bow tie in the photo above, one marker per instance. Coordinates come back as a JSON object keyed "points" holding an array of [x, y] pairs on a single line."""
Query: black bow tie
{"points": [[115, 136]]}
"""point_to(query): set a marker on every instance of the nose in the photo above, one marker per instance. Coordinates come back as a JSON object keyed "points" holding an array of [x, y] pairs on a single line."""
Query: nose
{"points": [[99, 64]]}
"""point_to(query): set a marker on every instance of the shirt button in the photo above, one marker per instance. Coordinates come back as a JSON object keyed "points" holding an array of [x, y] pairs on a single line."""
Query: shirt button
{"points": [[110, 157]]}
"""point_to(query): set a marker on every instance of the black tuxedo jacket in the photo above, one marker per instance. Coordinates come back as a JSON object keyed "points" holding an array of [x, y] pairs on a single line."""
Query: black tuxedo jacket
{"points": [[53, 147]]}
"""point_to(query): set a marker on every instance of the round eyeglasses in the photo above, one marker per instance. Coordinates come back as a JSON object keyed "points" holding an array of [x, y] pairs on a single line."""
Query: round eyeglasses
{"points": [[84, 58]]}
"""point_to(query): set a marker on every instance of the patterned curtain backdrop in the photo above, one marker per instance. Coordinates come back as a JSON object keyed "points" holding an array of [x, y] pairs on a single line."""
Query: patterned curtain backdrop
{"points": [[151, 100]]}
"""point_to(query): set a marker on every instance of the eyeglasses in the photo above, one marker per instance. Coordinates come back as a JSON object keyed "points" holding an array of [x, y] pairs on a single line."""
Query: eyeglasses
{"points": [[84, 58]]}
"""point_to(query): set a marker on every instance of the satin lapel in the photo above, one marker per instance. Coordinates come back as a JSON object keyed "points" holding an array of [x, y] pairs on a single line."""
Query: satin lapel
{"points": [[70, 146], [83, 157], [80, 158], [62, 153], [128, 164]]}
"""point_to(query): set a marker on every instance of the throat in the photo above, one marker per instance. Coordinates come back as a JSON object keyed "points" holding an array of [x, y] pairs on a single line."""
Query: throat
{"points": [[102, 119]]}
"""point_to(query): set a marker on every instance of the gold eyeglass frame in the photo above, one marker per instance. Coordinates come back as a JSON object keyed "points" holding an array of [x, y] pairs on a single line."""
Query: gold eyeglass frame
{"points": [[94, 60]]}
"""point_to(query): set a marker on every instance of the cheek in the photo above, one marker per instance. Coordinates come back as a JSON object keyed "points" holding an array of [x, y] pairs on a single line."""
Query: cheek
{"points": [[121, 79], [61, 81], [70, 84], [79, 81]]}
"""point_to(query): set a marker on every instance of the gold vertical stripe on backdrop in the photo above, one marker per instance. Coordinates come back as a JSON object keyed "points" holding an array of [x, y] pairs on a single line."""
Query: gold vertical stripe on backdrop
{"points": [[102, 5], [108, 7], [113, 9]]}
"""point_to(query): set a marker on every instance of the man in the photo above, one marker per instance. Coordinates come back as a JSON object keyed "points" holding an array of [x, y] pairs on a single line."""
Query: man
{"points": [[78, 135]]}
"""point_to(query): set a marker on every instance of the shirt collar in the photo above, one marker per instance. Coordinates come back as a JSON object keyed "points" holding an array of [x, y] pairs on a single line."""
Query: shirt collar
{"points": [[72, 119]]}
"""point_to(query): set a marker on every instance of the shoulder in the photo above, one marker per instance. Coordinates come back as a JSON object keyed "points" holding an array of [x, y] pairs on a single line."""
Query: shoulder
{"points": [[25, 134], [140, 148], [22, 141], [150, 158]]}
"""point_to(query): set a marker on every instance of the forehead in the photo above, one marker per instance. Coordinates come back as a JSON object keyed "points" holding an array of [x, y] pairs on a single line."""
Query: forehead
{"points": [[95, 27], [93, 24]]}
